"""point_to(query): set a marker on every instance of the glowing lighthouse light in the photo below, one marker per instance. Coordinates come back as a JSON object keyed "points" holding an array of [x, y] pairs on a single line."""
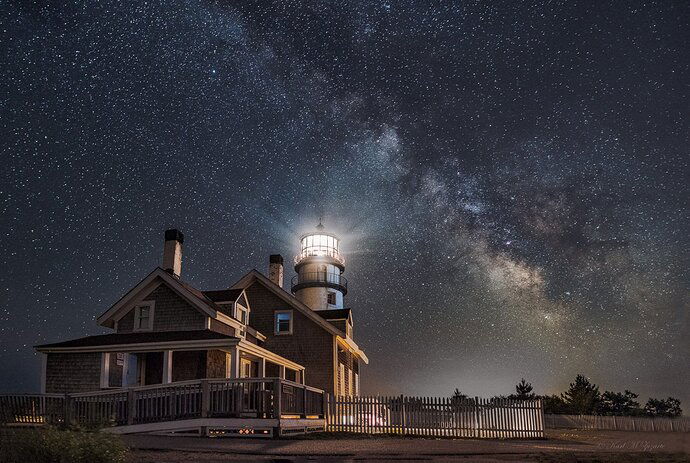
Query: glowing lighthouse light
{"points": [[319, 282]]}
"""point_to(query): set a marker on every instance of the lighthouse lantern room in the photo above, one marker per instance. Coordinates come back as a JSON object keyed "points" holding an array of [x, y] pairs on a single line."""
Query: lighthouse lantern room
{"points": [[319, 282]]}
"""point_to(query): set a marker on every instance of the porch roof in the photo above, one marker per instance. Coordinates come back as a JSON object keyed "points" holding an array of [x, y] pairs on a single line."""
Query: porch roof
{"points": [[142, 337], [151, 341]]}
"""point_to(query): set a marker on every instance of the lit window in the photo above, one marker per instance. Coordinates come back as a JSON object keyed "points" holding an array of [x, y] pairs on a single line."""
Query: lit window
{"points": [[331, 298], [283, 322]]}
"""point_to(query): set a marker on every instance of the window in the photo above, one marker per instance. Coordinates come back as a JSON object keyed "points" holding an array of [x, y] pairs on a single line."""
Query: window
{"points": [[283, 322], [330, 298], [356, 384], [242, 314], [143, 317]]}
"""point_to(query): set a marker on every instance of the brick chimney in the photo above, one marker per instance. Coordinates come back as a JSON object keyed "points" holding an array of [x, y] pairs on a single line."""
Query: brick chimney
{"points": [[172, 251], [275, 269]]}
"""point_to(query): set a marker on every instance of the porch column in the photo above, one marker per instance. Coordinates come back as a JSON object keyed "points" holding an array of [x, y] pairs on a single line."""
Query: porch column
{"points": [[167, 366], [125, 367], [105, 370], [262, 368], [281, 370], [234, 362]]}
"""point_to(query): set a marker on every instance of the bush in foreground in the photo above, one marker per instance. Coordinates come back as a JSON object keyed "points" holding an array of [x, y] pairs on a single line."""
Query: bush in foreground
{"points": [[50, 445]]}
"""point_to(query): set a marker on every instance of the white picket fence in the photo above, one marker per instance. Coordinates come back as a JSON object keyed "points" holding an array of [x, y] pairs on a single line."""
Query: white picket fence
{"points": [[618, 423], [436, 417]]}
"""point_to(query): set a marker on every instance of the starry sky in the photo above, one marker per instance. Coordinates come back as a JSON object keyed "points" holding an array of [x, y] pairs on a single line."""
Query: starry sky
{"points": [[509, 179]]}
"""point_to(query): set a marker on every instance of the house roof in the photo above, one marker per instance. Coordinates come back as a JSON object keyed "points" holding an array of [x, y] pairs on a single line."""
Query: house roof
{"points": [[256, 276], [196, 297], [223, 295], [333, 314], [141, 337]]}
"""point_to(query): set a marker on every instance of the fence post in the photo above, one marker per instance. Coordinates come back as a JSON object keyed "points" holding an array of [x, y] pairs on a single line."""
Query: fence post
{"points": [[304, 401], [477, 416], [205, 399], [69, 401], [131, 406], [325, 410], [403, 418]]}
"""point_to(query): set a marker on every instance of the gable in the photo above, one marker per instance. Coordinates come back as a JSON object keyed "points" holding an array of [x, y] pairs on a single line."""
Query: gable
{"points": [[158, 277], [255, 277], [265, 303], [171, 313]]}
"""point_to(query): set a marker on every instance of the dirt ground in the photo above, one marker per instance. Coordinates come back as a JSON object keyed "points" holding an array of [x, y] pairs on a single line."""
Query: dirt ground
{"points": [[570, 446]]}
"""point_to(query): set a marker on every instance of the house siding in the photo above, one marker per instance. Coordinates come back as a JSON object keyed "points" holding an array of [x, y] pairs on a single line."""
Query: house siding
{"points": [[73, 372], [310, 345], [340, 324], [188, 365], [215, 363], [171, 313]]}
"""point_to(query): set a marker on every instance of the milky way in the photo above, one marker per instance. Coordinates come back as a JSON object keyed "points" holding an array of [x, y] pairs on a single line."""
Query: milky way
{"points": [[510, 181]]}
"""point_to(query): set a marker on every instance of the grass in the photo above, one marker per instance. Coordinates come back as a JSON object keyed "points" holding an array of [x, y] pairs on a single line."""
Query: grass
{"points": [[52, 445]]}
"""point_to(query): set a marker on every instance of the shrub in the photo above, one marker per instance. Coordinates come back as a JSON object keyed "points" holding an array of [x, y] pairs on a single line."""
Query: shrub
{"points": [[50, 445]]}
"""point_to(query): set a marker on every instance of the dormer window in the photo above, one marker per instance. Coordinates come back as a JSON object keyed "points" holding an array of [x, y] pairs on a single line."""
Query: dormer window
{"points": [[242, 314], [143, 317]]}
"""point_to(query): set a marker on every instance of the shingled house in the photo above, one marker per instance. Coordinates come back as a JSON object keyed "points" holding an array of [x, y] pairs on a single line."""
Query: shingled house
{"points": [[165, 330]]}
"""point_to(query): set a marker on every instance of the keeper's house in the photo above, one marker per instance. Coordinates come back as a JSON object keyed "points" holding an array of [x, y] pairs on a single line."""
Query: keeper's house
{"points": [[165, 330]]}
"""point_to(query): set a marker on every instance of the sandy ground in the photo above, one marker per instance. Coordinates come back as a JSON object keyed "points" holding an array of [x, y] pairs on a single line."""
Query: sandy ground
{"points": [[560, 446]]}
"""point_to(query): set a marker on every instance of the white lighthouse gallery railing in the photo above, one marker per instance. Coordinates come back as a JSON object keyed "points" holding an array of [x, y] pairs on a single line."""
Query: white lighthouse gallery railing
{"points": [[437, 416]]}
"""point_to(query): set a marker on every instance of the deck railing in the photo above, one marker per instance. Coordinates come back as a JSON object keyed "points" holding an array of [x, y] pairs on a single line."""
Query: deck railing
{"points": [[251, 397]]}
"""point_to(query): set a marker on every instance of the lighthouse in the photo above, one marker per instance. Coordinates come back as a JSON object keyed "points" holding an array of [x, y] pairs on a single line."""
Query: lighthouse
{"points": [[319, 282]]}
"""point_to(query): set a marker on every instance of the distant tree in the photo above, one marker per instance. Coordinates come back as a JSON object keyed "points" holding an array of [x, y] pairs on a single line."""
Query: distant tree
{"points": [[554, 404], [660, 407], [523, 391], [582, 397], [620, 404], [460, 398], [457, 395]]}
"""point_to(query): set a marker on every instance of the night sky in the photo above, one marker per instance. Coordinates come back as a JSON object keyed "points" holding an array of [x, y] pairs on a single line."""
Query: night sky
{"points": [[510, 181]]}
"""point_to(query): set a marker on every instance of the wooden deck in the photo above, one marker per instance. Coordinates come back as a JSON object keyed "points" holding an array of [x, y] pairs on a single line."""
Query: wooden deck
{"points": [[261, 406]]}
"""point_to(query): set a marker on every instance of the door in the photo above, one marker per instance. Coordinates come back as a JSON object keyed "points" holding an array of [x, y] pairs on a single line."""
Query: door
{"points": [[246, 368], [249, 390]]}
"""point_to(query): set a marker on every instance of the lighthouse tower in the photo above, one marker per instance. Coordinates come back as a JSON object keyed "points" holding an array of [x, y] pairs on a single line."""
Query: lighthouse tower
{"points": [[319, 283]]}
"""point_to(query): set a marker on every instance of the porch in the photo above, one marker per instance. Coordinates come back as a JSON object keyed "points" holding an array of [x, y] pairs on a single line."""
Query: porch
{"points": [[134, 368], [252, 406], [115, 361]]}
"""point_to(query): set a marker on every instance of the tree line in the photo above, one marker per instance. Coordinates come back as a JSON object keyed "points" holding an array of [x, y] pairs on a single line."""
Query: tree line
{"points": [[583, 398]]}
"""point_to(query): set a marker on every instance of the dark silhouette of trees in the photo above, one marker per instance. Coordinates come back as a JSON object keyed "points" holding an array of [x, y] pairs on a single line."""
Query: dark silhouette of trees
{"points": [[582, 397], [660, 407], [523, 391], [619, 404], [554, 404], [457, 395]]}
